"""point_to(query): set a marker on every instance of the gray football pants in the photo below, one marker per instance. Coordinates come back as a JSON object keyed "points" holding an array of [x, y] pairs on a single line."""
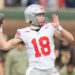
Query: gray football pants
{"points": [[34, 71]]}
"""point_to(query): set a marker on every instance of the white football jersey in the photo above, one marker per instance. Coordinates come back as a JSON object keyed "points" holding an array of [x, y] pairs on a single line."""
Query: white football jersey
{"points": [[39, 45]]}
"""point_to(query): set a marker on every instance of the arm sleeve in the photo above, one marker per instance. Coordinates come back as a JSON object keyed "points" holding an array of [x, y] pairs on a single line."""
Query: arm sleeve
{"points": [[18, 34]]}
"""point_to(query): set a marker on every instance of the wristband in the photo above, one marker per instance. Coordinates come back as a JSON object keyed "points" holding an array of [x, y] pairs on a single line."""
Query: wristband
{"points": [[59, 28], [1, 29]]}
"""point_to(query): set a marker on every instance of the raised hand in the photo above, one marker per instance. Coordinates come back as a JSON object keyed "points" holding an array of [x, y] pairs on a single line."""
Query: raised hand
{"points": [[55, 20]]}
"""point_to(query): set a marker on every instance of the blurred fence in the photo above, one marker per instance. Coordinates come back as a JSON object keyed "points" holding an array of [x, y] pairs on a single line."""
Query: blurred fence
{"points": [[18, 13]]}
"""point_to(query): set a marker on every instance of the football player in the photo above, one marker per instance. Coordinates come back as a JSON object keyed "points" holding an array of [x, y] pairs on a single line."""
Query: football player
{"points": [[38, 39]]}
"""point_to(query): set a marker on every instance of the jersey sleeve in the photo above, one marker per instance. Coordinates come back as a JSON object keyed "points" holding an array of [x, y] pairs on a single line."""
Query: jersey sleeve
{"points": [[18, 34], [51, 27]]}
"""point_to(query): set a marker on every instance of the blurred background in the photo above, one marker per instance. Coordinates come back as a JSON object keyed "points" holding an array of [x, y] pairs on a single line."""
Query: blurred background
{"points": [[13, 11]]}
